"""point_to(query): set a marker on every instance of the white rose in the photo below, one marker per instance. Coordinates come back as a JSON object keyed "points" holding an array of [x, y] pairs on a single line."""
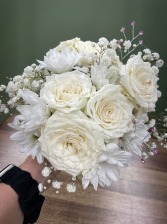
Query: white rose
{"points": [[89, 50], [67, 92], [68, 44], [155, 69], [111, 110], [140, 81], [84, 47], [71, 142]]}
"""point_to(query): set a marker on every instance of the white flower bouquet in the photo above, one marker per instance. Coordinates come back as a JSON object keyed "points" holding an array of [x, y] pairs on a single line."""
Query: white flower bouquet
{"points": [[85, 107]]}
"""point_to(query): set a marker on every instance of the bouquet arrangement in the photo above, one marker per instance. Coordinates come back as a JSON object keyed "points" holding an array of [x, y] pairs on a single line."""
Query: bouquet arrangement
{"points": [[85, 107]]}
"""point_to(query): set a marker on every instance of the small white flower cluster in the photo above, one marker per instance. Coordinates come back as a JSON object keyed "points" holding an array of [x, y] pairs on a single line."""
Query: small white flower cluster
{"points": [[85, 107], [71, 187], [154, 59], [160, 132], [46, 172], [56, 184], [152, 146], [32, 78]]}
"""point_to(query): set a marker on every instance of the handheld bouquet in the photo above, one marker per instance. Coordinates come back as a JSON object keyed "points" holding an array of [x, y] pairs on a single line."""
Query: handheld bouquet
{"points": [[85, 107]]}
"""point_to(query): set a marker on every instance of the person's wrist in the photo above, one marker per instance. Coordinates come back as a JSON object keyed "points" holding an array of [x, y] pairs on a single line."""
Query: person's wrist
{"points": [[34, 168], [24, 181]]}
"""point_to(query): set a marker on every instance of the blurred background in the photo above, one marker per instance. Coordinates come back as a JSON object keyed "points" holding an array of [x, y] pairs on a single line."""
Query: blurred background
{"points": [[29, 28]]}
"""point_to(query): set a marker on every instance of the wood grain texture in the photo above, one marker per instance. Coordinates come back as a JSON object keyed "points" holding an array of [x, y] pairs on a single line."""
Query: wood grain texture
{"points": [[139, 197]]}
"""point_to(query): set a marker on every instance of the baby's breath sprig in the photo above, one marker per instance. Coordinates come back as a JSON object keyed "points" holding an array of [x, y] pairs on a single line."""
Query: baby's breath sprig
{"points": [[32, 78], [161, 127], [51, 175], [129, 46]]}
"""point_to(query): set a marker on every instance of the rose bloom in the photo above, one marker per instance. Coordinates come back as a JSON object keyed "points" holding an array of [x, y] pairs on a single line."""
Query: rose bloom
{"points": [[71, 142], [89, 50], [68, 44], [67, 92], [140, 80], [111, 110]]}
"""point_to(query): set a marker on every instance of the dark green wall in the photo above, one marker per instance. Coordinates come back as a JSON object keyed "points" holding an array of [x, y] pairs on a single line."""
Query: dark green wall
{"points": [[29, 28]]}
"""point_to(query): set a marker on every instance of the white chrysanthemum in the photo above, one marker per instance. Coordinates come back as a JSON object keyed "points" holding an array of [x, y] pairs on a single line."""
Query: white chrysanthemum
{"points": [[59, 62], [33, 114], [107, 70], [133, 140], [111, 110], [71, 142], [67, 92], [107, 168], [102, 75], [99, 75], [29, 122], [28, 143], [140, 80]]}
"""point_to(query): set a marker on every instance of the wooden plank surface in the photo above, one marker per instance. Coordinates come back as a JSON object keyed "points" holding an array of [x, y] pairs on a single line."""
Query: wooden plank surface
{"points": [[139, 197]]}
